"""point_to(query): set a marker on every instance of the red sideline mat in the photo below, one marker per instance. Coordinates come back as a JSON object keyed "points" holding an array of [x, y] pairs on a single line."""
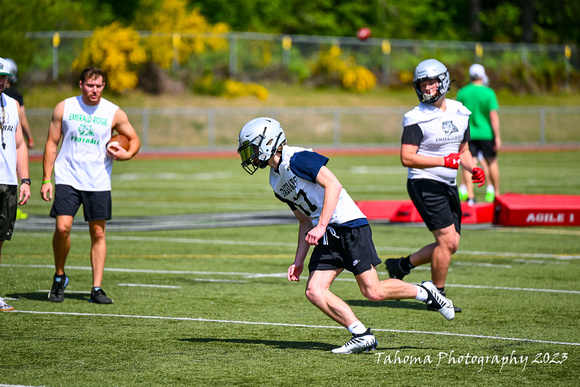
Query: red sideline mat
{"points": [[537, 210], [403, 211]]}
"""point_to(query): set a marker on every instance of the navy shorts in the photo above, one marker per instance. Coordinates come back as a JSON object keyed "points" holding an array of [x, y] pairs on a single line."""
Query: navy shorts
{"points": [[8, 207], [483, 146], [97, 205], [349, 248], [438, 203]]}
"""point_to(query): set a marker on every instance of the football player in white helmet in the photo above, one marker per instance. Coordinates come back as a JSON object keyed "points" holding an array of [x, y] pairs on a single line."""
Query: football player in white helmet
{"points": [[433, 145], [330, 221]]}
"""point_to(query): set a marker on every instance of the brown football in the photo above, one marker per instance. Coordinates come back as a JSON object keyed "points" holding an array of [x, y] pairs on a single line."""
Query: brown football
{"points": [[121, 140]]}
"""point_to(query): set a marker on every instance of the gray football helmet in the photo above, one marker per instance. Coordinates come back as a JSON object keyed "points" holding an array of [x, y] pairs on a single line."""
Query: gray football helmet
{"points": [[258, 141], [427, 70]]}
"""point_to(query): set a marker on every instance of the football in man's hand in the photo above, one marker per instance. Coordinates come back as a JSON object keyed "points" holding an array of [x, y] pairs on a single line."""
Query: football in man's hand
{"points": [[120, 140]]}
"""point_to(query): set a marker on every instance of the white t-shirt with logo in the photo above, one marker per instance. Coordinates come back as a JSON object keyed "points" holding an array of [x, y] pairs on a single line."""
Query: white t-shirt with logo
{"points": [[82, 161], [8, 174], [437, 133]]}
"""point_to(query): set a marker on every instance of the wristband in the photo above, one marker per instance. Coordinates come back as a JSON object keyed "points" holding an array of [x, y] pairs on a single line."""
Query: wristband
{"points": [[46, 181], [25, 181]]}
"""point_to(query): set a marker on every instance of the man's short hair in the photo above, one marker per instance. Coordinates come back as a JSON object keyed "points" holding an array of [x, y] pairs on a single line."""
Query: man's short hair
{"points": [[92, 72]]}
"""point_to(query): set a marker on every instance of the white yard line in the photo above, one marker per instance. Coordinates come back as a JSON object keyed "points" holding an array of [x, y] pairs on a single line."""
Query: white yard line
{"points": [[292, 325], [483, 254], [279, 275]]}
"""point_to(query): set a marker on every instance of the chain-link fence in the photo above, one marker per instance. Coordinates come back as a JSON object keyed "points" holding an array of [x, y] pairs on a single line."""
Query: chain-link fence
{"points": [[210, 129], [258, 56]]}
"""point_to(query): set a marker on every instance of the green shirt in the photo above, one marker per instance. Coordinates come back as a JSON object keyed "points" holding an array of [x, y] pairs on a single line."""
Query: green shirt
{"points": [[480, 100]]}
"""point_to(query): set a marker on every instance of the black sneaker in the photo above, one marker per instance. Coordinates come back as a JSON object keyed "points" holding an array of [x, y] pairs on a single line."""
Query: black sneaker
{"points": [[59, 283], [98, 296], [394, 268], [358, 343]]}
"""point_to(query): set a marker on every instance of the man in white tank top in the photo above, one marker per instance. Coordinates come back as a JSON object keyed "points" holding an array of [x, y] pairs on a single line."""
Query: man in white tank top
{"points": [[13, 164], [82, 173]]}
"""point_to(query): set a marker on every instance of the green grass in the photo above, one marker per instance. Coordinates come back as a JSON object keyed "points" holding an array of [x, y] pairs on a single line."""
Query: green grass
{"points": [[258, 329]]}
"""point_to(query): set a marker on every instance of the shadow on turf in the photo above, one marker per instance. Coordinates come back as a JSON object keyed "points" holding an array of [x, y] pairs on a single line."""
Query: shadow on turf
{"points": [[395, 304], [309, 345], [36, 296]]}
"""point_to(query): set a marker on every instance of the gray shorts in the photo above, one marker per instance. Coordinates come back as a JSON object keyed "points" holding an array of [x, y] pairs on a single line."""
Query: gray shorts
{"points": [[8, 209]]}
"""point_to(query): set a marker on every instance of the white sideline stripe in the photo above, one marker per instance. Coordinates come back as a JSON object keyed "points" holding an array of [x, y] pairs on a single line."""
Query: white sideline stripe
{"points": [[509, 288], [151, 286], [283, 275], [483, 264], [291, 325], [255, 243], [68, 291]]}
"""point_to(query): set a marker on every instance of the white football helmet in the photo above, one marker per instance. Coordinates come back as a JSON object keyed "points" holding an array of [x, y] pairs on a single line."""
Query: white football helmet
{"points": [[12, 69], [427, 70], [258, 141]]}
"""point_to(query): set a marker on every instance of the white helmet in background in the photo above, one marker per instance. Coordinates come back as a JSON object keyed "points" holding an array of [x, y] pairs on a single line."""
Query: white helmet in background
{"points": [[428, 70], [258, 141], [13, 69]]}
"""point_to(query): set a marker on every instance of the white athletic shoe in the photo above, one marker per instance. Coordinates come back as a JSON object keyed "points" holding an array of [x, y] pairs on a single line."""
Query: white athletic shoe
{"points": [[4, 307], [438, 301], [358, 343]]}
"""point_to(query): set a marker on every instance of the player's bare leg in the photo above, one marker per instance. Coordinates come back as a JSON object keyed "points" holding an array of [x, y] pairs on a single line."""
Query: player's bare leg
{"points": [[98, 250], [61, 242], [494, 174], [318, 293], [390, 289], [61, 248]]}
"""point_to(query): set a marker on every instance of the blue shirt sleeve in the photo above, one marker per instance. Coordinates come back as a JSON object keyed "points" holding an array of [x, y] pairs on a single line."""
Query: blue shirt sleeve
{"points": [[307, 164]]}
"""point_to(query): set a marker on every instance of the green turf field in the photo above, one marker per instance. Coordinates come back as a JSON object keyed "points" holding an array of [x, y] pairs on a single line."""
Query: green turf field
{"points": [[211, 306]]}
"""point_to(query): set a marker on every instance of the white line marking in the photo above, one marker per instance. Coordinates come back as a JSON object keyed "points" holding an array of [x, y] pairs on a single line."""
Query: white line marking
{"points": [[509, 288], [278, 244], [67, 291], [481, 264], [151, 286], [281, 275], [292, 325]]}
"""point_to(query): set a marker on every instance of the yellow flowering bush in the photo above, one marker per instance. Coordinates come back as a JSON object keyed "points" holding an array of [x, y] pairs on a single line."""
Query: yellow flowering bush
{"points": [[172, 16], [239, 89], [116, 51], [347, 73], [358, 78]]}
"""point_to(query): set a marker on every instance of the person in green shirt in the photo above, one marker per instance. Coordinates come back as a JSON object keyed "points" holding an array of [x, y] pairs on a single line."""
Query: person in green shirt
{"points": [[485, 132]]}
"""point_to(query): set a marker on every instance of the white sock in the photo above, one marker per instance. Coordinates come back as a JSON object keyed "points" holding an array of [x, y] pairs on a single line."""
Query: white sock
{"points": [[490, 188], [357, 328], [421, 294], [463, 188]]}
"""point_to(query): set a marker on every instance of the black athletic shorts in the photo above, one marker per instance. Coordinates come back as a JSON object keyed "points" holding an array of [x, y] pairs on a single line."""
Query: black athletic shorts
{"points": [[97, 205], [483, 146], [8, 208], [438, 203], [349, 248]]}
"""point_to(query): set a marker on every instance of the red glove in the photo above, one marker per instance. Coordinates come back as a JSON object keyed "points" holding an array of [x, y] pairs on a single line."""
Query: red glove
{"points": [[452, 161], [478, 176]]}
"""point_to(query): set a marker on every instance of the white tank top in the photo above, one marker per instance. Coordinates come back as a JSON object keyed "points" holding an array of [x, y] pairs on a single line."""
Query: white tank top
{"points": [[8, 153], [82, 161]]}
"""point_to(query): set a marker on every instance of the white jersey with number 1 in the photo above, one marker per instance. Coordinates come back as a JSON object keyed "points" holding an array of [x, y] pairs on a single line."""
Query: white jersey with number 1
{"points": [[295, 184]]}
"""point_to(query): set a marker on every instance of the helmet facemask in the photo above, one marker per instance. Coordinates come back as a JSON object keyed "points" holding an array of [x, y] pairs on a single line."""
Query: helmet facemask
{"points": [[258, 141], [431, 69]]}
